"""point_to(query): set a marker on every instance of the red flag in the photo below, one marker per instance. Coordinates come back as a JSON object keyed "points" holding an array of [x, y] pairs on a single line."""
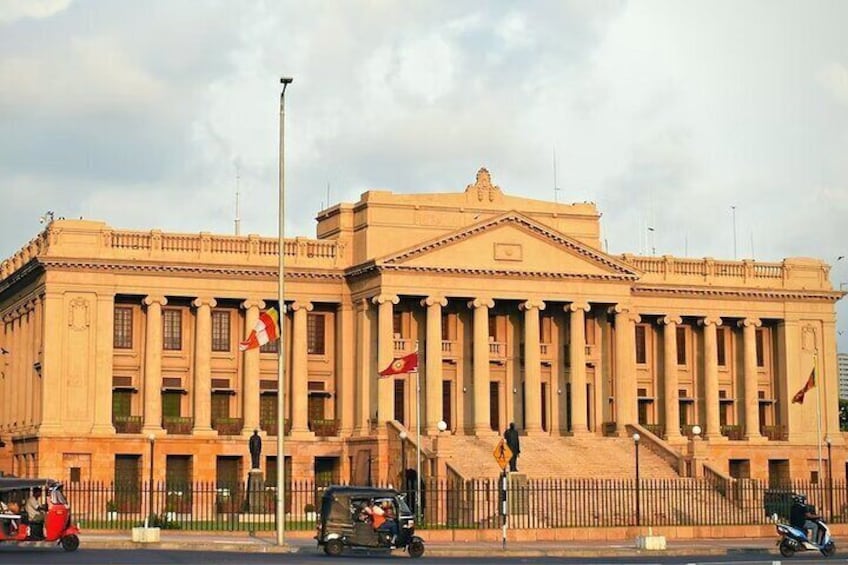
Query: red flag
{"points": [[405, 364], [811, 382], [267, 329]]}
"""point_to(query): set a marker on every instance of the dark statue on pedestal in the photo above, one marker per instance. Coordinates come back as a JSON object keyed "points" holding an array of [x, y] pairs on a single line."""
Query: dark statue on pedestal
{"points": [[255, 449]]}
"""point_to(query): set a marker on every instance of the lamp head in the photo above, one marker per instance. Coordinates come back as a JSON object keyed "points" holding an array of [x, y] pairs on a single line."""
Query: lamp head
{"points": [[286, 80], [151, 437], [636, 437], [827, 440], [696, 430], [403, 434], [442, 425]]}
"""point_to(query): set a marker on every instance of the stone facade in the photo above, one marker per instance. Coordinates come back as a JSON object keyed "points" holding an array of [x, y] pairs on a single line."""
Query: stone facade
{"points": [[123, 345]]}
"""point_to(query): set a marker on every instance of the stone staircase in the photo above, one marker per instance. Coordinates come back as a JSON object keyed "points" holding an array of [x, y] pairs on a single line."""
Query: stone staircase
{"points": [[547, 457]]}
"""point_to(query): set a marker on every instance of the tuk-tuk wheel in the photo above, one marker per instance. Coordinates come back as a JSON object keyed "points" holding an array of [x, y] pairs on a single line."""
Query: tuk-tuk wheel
{"points": [[416, 547], [70, 543], [334, 547]]}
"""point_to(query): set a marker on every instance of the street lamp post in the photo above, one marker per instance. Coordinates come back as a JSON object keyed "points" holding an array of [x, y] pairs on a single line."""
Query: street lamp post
{"points": [[281, 391], [638, 509], [829, 477], [152, 440]]}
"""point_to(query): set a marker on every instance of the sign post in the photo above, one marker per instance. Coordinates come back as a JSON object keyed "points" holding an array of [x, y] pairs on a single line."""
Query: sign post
{"points": [[502, 454]]}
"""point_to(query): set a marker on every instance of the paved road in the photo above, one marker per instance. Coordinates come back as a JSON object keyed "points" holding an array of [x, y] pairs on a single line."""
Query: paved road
{"points": [[42, 556]]}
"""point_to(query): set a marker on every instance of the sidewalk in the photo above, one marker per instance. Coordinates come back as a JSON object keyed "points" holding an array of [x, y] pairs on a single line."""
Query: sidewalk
{"points": [[264, 543]]}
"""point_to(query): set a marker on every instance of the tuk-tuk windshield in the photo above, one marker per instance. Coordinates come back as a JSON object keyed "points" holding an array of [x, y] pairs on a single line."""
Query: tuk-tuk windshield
{"points": [[403, 507], [58, 497]]}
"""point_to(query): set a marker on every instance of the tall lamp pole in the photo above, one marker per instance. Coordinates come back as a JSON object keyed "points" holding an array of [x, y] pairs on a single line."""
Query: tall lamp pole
{"points": [[281, 357], [829, 477], [638, 510]]}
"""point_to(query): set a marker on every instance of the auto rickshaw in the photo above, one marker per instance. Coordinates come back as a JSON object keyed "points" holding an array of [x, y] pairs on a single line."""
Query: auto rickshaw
{"points": [[346, 521], [16, 526]]}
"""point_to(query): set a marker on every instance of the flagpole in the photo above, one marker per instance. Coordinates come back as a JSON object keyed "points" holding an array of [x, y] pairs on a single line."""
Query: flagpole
{"points": [[818, 407], [281, 357], [417, 443]]}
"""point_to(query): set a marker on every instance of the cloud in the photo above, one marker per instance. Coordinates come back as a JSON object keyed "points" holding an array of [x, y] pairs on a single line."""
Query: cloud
{"points": [[834, 78], [14, 10]]}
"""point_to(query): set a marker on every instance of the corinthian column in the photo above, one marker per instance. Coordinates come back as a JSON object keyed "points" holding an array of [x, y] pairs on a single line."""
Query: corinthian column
{"points": [[203, 365], [577, 356], [625, 367], [250, 370], [153, 365], [752, 413], [364, 371], [532, 366], [385, 354], [300, 373], [671, 401], [713, 431], [481, 306], [434, 305]]}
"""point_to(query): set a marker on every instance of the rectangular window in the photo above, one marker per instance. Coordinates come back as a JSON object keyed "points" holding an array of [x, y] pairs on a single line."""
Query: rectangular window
{"points": [[221, 330], [545, 329], [171, 402], [121, 403], [122, 334], [397, 324], [76, 474], [720, 347], [268, 410], [445, 327], [641, 345], [760, 339], [493, 328], [681, 346], [172, 329], [220, 406], [315, 333]]}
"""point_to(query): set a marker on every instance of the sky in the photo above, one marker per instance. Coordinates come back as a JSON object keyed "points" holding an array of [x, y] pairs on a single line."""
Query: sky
{"points": [[699, 128]]}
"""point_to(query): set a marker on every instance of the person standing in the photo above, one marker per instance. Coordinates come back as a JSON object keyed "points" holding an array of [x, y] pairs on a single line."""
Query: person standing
{"points": [[511, 438], [255, 446]]}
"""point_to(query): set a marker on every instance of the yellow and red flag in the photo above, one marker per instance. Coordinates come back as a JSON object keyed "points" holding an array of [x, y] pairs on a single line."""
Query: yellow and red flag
{"points": [[405, 364], [811, 382]]}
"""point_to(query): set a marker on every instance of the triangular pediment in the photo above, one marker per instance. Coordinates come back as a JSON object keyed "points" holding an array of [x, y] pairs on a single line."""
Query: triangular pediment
{"points": [[509, 243]]}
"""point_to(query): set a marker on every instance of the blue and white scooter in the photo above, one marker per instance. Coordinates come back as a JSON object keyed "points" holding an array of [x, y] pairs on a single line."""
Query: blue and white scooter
{"points": [[793, 540]]}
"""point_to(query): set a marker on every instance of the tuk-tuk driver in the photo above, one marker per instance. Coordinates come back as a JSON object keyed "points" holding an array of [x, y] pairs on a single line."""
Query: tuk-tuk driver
{"points": [[34, 507]]}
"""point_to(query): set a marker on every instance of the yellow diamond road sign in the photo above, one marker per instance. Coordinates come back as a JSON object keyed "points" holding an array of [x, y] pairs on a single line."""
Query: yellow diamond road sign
{"points": [[502, 454]]}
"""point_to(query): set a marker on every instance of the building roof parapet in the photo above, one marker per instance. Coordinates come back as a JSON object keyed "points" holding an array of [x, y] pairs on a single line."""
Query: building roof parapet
{"points": [[96, 240], [796, 273]]}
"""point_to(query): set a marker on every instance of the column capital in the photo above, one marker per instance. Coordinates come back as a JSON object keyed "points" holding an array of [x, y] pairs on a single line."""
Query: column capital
{"points": [[756, 322], [480, 302], [530, 304], [151, 299], [670, 319], [383, 298], [302, 305], [626, 311], [252, 303], [204, 301], [577, 305], [433, 300], [710, 321]]}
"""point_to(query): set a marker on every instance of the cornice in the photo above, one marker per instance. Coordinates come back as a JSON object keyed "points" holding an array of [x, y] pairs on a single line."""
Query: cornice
{"points": [[97, 266], [490, 272], [746, 293]]}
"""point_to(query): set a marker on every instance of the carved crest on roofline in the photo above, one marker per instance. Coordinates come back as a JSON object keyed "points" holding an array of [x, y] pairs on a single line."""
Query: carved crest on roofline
{"points": [[483, 189]]}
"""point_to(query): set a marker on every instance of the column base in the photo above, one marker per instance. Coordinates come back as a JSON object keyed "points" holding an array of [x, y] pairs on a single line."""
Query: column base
{"points": [[102, 430], [301, 434], [248, 431], [580, 433], [715, 437], [204, 432], [676, 439], [487, 433], [758, 439], [155, 430]]}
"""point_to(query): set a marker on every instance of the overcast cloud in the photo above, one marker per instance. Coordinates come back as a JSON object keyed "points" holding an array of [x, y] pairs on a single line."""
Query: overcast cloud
{"points": [[665, 113]]}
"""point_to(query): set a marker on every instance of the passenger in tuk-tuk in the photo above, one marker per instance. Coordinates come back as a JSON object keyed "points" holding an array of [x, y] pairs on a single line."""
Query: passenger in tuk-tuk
{"points": [[35, 512], [9, 517]]}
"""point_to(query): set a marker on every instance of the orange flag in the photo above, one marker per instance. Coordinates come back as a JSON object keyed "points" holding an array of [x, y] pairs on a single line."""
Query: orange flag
{"points": [[811, 382]]}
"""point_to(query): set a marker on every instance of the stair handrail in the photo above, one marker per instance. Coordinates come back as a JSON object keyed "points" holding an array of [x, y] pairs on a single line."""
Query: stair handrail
{"points": [[426, 452], [659, 447]]}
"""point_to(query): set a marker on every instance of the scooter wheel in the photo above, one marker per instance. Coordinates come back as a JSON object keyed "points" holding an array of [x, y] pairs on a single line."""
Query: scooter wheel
{"points": [[829, 549], [416, 548], [70, 543], [786, 549], [334, 548]]}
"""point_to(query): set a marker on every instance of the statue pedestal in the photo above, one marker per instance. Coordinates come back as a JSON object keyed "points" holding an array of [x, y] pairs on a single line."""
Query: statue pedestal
{"points": [[255, 491]]}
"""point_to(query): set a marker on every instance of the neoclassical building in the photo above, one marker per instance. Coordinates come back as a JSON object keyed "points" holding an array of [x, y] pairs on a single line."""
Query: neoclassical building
{"points": [[123, 345]]}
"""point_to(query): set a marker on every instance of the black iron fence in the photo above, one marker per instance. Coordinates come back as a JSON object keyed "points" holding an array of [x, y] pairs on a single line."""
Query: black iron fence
{"points": [[552, 503]]}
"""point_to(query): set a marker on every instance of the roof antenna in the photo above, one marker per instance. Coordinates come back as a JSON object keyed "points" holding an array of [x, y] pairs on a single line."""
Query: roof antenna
{"points": [[556, 186], [237, 220]]}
